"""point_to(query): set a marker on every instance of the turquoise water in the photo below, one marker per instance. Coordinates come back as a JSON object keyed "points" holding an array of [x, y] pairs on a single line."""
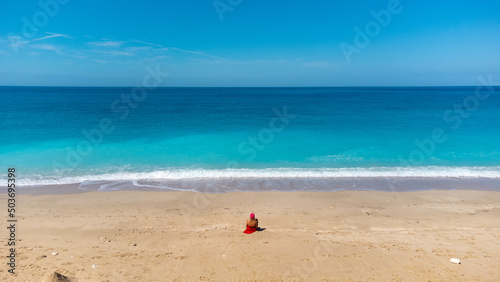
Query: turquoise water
{"points": [[107, 136]]}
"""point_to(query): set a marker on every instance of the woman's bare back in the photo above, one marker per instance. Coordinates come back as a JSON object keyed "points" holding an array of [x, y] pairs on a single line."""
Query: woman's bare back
{"points": [[253, 222]]}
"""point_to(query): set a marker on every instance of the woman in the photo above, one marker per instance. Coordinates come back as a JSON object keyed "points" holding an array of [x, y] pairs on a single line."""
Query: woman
{"points": [[252, 224]]}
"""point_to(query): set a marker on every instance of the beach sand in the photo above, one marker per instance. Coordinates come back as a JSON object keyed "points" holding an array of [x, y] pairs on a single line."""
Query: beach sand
{"points": [[315, 236]]}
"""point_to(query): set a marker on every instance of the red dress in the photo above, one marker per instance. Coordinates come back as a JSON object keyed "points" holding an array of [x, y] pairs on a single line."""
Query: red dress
{"points": [[250, 230]]}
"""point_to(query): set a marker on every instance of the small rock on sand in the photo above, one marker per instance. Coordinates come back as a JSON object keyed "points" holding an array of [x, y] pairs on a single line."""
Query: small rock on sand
{"points": [[55, 253], [56, 277]]}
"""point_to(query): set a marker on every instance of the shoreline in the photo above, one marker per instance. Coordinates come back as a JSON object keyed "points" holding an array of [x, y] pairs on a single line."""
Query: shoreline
{"points": [[218, 185], [343, 235]]}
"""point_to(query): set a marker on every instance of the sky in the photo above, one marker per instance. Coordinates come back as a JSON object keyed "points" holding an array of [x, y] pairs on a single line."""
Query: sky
{"points": [[245, 43]]}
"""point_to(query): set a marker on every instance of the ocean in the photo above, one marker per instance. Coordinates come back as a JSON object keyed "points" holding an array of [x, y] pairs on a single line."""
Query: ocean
{"points": [[252, 139]]}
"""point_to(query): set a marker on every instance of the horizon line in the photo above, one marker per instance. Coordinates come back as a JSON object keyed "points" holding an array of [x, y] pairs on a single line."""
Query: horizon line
{"points": [[345, 86]]}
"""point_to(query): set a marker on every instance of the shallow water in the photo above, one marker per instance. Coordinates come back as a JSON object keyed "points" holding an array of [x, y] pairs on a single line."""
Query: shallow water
{"points": [[57, 135]]}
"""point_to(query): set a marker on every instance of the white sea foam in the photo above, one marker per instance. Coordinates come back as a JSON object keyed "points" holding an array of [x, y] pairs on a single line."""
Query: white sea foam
{"points": [[271, 173]]}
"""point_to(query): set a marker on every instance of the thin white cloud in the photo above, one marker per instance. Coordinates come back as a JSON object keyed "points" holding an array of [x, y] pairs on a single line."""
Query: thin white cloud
{"points": [[52, 35], [107, 43], [16, 41], [131, 50], [138, 48], [46, 47], [116, 53], [100, 49], [146, 43], [195, 52], [81, 57]]}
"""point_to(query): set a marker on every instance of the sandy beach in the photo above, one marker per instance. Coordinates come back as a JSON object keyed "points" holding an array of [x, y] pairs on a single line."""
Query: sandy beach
{"points": [[314, 236]]}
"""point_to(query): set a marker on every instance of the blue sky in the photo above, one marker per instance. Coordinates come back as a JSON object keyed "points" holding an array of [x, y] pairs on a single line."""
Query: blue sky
{"points": [[251, 43]]}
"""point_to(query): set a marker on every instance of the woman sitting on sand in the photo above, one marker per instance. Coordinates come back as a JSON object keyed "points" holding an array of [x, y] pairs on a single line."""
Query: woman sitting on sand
{"points": [[252, 224]]}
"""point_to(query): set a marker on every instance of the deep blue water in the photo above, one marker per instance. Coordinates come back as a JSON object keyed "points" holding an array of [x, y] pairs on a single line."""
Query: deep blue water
{"points": [[185, 133]]}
